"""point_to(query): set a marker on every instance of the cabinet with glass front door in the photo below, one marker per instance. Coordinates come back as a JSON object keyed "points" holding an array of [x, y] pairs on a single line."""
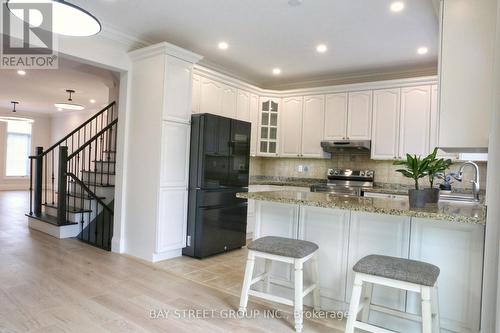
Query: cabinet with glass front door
{"points": [[269, 112]]}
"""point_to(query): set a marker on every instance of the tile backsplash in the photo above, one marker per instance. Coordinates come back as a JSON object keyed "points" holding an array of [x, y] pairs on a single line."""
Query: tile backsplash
{"points": [[317, 168]]}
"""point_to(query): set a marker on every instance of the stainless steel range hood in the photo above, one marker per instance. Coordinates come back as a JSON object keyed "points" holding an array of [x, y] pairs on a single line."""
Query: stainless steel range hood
{"points": [[336, 146]]}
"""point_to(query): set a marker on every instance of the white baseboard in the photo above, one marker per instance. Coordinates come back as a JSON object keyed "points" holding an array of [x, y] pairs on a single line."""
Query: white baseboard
{"points": [[166, 255]]}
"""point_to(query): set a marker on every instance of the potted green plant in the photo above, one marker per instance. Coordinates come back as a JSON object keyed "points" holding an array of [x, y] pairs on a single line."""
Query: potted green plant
{"points": [[415, 168], [436, 169]]}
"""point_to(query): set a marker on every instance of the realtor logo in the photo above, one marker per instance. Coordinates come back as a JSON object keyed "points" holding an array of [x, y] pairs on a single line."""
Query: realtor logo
{"points": [[27, 38]]}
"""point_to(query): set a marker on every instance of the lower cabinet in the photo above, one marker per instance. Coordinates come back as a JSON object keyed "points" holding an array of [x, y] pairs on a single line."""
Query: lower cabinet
{"points": [[345, 236], [172, 219]]}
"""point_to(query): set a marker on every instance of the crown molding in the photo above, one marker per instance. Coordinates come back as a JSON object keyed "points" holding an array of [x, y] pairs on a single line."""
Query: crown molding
{"points": [[165, 48], [134, 42]]}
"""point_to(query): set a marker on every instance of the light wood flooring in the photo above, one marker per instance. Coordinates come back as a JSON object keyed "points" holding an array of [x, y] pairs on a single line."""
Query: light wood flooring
{"points": [[50, 285]]}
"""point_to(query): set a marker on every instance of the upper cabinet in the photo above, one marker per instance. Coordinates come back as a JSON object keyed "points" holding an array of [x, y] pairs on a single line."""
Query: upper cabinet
{"points": [[336, 117], [466, 73], [196, 93], [348, 116], [210, 96], [269, 113], [359, 115], [312, 131], [243, 106], [291, 127], [229, 98], [385, 136], [254, 119], [415, 121]]}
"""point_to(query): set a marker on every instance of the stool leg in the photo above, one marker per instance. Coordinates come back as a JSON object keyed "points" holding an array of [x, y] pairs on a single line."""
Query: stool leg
{"points": [[436, 324], [354, 305], [425, 294], [367, 301], [315, 276], [247, 282], [298, 301], [267, 281]]}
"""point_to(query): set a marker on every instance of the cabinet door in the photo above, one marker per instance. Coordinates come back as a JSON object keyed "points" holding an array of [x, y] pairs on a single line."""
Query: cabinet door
{"points": [[172, 219], [210, 96], [457, 249], [415, 121], [330, 229], [385, 125], [196, 93], [336, 117], [379, 234], [178, 87], [229, 98], [291, 127], [254, 119], [269, 116], [175, 142], [279, 220], [243, 106], [312, 126], [434, 135], [359, 115]]}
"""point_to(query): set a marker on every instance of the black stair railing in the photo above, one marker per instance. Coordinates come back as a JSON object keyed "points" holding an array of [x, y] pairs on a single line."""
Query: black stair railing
{"points": [[46, 165]]}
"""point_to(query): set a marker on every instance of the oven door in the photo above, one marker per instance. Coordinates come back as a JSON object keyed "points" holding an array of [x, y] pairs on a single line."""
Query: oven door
{"points": [[338, 190]]}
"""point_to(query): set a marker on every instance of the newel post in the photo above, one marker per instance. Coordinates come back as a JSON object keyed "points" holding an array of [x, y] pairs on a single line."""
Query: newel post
{"points": [[61, 184]]}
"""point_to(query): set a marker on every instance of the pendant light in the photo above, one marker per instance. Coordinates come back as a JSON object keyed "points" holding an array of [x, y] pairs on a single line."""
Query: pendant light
{"points": [[67, 19], [69, 105], [14, 106]]}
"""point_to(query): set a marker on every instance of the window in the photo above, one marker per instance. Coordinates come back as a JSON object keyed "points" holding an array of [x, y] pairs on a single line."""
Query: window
{"points": [[18, 148]]}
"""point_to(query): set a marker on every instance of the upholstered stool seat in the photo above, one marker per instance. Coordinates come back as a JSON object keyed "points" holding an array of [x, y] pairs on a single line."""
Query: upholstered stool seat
{"points": [[411, 275], [285, 247], [292, 251], [398, 269]]}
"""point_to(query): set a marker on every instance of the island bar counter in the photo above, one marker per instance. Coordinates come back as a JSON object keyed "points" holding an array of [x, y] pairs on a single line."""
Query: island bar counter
{"points": [[449, 235]]}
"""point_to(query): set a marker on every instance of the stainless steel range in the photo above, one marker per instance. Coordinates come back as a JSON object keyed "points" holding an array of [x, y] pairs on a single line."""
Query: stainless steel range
{"points": [[349, 183]]}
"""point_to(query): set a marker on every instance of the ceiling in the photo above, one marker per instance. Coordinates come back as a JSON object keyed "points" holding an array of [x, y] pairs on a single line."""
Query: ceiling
{"points": [[38, 90], [363, 36]]}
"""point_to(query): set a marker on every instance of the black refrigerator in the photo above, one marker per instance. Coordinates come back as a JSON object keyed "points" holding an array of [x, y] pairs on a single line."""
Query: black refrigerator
{"points": [[219, 168]]}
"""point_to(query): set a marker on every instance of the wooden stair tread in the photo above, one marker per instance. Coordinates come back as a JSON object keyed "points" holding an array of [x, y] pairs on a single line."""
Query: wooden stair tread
{"points": [[84, 196], [50, 219], [98, 172], [69, 209]]}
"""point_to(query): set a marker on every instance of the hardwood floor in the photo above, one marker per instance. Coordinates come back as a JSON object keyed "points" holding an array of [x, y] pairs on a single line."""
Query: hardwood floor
{"points": [[51, 285]]}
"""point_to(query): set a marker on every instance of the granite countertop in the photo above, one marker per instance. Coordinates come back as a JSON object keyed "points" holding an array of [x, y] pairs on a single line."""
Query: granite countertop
{"points": [[449, 211]]}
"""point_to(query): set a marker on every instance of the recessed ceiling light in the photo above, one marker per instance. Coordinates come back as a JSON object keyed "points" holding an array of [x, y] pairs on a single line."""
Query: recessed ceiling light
{"points": [[92, 101], [321, 48], [223, 45], [422, 50], [67, 19], [59, 109], [21, 72], [397, 6], [276, 71]]}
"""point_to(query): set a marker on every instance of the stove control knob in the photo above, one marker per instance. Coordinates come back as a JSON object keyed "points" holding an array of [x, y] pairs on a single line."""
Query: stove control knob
{"points": [[369, 173], [362, 173]]}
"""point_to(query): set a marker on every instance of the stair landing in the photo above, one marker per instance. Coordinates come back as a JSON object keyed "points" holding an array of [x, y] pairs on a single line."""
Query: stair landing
{"points": [[48, 224]]}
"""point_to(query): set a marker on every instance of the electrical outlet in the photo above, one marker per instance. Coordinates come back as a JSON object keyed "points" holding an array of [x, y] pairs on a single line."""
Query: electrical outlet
{"points": [[300, 168]]}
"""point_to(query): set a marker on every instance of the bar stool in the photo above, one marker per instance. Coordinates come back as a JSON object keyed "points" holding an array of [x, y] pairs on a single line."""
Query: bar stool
{"points": [[398, 273], [291, 251]]}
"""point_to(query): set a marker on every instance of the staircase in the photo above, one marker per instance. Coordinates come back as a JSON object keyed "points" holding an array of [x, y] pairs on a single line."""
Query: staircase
{"points": [[72, 183]]}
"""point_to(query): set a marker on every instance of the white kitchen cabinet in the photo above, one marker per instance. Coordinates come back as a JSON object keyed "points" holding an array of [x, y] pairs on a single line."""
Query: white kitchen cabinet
{"points": [[178, 85], [335, 126], [210, 96], [196, 93], [269, 117], [466, 61], [229, 100], [243, 106], [385, 128], [291, 127], [172, 217], [415, 121], [457, 249], [254, 119], [434, 136], [359, 115], [378, 234], [312, 130], [330, 228], [175, 143]]}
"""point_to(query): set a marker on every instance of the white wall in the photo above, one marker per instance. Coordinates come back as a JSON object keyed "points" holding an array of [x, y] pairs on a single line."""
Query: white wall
{"points": [[40, 136]]}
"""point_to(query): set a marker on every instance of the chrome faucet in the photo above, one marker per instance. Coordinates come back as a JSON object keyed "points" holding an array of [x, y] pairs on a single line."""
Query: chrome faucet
{"points": [[475, 182]]}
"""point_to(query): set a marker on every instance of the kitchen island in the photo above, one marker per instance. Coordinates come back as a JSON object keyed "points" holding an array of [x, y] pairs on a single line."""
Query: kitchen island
{"points": [[449, 235]]}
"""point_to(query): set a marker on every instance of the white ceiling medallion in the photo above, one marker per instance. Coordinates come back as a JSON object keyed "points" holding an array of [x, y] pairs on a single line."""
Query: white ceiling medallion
{"points": [[69, 105], [67, 19]]}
